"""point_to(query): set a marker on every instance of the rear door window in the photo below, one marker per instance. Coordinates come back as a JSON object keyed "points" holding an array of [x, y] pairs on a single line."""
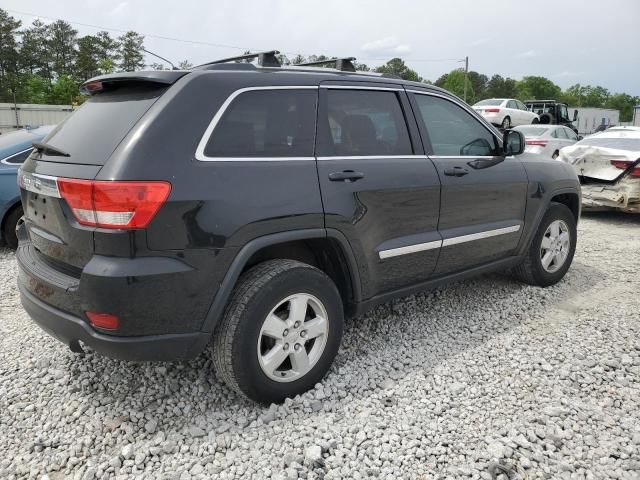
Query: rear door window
{"points": [[266, 123], [453, 131], [363, 123], [93, 131]]}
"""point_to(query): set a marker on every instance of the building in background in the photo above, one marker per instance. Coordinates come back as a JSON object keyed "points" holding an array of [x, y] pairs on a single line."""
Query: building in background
{"points": [[24, 115], [636, 116], [591, 118]]}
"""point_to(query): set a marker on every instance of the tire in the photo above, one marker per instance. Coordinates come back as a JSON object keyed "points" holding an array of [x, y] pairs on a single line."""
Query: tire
{"points": [[9, 227], [532, 270], [555, 154], [506, 123], [240, 346], [535, 121], [547, 119]]}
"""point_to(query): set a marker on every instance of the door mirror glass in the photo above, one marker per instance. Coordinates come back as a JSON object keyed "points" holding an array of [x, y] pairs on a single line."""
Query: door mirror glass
{"points": [[513, 142]]}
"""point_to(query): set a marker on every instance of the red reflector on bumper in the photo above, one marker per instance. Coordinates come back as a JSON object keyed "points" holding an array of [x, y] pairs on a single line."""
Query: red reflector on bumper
{"points": [[105, 321]]}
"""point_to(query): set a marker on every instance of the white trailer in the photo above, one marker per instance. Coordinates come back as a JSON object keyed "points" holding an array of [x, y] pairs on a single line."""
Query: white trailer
{"points": [[591, 118], [14, 116]]}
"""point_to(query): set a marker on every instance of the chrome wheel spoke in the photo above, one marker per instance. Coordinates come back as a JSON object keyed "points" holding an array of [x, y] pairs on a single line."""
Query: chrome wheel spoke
{"points": [[300, 361], [546, 243], [547, 258], [315, 327], [564, 238], [274, 358], [274, 327], [555, 230], [298, 308]]}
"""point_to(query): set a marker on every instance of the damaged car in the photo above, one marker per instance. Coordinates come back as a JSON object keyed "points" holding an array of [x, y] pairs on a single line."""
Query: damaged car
{"points": [[608, 166]]}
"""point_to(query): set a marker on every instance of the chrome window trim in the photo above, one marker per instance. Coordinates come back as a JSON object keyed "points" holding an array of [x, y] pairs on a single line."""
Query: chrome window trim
{"points": [[480, 235], [420, 247], [361, 87], [469, 110], [4, 160], [370, 157], [223, 108], [38, 183]]}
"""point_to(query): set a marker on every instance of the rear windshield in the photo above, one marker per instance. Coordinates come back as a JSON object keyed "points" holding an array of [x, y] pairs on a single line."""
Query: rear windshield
{"points": [[533, 131], [491, 101], [93, 131]]}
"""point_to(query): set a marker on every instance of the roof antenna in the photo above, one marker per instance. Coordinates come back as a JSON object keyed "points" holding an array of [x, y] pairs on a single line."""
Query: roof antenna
{"points": [[173, 67]]}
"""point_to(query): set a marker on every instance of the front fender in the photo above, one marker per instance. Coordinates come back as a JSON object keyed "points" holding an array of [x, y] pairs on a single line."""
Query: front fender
{"points": [[547, 180]]}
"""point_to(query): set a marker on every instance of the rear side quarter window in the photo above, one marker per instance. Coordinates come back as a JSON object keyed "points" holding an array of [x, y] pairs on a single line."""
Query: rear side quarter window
{"points": [[265, 123], [17, 158]]}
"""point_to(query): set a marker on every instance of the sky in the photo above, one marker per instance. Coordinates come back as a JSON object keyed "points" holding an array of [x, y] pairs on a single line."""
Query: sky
{"points": [[588, 42]]}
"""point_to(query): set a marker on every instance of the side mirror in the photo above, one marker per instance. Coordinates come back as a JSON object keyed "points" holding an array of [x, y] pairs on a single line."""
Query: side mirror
{"points": [[575, 115], [512, 143]]}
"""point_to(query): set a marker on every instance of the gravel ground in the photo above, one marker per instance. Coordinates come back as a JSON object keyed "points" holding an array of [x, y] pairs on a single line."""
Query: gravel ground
{"points": [[483, 376]]}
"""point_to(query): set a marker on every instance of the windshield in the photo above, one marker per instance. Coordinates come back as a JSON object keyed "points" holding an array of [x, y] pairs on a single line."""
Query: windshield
{"points": [[532, 131], [93, 131], [491, 101]]}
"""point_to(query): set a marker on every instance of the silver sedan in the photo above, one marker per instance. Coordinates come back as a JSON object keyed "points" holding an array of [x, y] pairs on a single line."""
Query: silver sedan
{"points": [[547, 139]]}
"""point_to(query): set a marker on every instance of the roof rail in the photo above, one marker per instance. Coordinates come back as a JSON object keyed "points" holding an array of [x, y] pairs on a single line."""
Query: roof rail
{"points": [[342, 64], [265, 59]]}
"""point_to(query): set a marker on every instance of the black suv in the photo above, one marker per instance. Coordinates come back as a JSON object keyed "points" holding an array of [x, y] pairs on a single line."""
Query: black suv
{"points": [[254, 206], [553, 113]]}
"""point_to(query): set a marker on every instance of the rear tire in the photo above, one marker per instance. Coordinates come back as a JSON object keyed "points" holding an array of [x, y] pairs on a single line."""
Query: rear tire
{"points": [[540, 266], [506, 123], [263, 347], [535, 121], [9, 227], [555, 154]]}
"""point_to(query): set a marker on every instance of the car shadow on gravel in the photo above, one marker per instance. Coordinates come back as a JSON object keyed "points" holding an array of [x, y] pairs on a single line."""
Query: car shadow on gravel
{"points": [[613, 217], [409, 335]]}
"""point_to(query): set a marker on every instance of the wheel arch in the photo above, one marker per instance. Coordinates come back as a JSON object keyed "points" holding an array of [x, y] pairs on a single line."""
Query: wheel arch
{"points": [[326, 249], [9, 207]]}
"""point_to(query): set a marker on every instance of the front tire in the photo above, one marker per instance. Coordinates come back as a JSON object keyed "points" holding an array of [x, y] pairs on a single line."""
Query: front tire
{"points": [[551, 251], [9, 227], [280, 332]]}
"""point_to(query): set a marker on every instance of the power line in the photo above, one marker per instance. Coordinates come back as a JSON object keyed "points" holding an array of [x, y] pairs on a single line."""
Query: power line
{"points": [[210, 44]]}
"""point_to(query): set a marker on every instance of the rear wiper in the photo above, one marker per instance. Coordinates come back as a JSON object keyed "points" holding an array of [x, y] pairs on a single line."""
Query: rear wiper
{"points": [[50, 149]]}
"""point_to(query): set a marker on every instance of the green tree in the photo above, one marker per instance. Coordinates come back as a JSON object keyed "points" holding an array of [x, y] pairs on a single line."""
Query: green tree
{"points": [[63, 91], [62, 41], [479, 84], [108, 54], [537, 88], [131, 54], [35, 56], [454, 82], [298, 59], [185, 65], [396, 66], [8, 54], [87, 61], [499, 87], [624, 103]]}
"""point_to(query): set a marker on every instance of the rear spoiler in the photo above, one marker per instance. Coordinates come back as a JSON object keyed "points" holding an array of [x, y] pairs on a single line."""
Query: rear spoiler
{"points": [[159, 77]]}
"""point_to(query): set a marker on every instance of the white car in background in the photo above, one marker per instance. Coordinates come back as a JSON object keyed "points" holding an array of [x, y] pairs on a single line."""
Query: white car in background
{"points": [[608, 165], [505, 112], [547, 139]]}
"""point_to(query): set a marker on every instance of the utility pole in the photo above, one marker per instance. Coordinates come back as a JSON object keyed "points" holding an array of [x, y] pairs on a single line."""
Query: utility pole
{"points": [[466, 75]]}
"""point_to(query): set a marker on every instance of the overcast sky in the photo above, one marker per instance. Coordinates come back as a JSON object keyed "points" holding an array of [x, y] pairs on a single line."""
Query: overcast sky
{"points": [[570, 41]]}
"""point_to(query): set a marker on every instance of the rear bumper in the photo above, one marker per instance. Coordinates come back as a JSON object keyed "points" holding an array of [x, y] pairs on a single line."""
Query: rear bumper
{"points": [[624, 196], [72, 330]]}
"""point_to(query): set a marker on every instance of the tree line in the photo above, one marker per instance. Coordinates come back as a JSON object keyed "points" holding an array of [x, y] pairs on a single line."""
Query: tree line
{"points": [[46, 63]]}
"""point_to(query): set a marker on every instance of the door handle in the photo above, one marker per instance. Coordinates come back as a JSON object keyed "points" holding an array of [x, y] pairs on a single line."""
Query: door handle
{"points": [[346, 176], [456, 172]]}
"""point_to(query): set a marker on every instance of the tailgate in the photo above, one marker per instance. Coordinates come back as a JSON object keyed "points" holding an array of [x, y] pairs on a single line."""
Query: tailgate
{"points": [[78, 148]]}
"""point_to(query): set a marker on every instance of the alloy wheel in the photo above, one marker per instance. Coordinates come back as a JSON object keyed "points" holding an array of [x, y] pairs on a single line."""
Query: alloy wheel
{"points": [[555, 246], [293, 337]]}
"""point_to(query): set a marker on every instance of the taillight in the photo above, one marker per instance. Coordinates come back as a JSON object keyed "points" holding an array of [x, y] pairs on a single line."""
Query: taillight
{"points": [[537, 143], [492, 110], [121, 205], [105, 321], [624, 164]]}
